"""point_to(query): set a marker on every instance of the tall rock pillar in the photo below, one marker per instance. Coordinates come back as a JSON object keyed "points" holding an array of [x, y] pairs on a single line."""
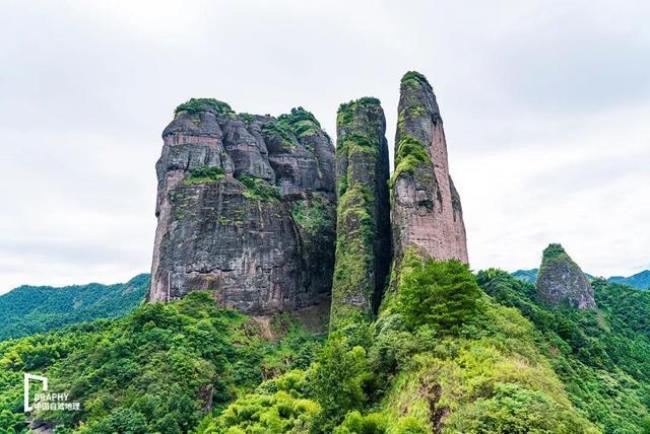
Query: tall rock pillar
{"points": [[363, 244], [425, 207]]}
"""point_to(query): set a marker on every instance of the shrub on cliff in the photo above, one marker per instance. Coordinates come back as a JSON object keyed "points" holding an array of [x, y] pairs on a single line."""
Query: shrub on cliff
{"points": [[257, 188], [204, 175], [441, 294], [300, 121]]}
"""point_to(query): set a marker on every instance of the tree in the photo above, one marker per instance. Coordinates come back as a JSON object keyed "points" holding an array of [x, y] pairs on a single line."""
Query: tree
{"points": [[339, 376], [442, 294]]}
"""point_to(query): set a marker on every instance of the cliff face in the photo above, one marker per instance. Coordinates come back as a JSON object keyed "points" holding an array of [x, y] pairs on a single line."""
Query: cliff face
{"points": [[246, 208], [363, 226], [246, 204], [426, 212], [561, 280]]}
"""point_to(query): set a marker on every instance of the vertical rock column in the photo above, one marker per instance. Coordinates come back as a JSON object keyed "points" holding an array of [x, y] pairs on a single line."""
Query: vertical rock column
{"points": [[426, 213], [363, 244]]}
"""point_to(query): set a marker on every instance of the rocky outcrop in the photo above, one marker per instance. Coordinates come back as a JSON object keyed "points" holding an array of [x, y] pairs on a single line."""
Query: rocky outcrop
{"points": [[426, 212], [562, 282], [246, 208], [363, 242]]}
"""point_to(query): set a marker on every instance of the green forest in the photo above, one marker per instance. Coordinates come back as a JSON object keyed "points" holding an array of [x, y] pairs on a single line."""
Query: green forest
{"points": [[33, 309], [449, 352]]}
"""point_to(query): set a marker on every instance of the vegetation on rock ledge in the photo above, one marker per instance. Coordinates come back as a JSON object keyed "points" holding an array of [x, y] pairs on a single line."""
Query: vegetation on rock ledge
{"points": [[204, 175], [258, 188], [411, 155], [300, 122], [197, 105], [414, 78], [313, 215]]}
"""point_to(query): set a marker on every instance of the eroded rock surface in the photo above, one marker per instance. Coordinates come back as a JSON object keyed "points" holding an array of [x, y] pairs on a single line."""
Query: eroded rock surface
{"points": [[363, 247], [426, 211], [561, 281], [245, 207]]}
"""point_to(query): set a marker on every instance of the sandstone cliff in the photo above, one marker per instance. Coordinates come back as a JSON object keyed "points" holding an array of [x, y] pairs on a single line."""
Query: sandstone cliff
{"points": [[246, 208], [561, 281], [425, 207], [363, 241]]}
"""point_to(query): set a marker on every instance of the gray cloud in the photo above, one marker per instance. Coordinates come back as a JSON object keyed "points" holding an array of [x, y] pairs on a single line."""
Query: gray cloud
{"points": [[543, 102]]}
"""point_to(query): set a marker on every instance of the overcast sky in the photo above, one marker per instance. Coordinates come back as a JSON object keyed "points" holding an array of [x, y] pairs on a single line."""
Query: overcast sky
{"points": [[546, 107]]}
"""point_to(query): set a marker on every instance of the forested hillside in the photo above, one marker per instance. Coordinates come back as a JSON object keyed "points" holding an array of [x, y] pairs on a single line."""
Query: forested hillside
{"points": [[34, 309], [602, 356], [640, 280], [450, 352], [157, 370], [248, 259]]}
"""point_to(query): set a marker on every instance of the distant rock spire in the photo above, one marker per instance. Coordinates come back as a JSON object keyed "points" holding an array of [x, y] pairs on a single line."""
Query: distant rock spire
{"points": [[561, 281], [425, 207], [363, 226]]}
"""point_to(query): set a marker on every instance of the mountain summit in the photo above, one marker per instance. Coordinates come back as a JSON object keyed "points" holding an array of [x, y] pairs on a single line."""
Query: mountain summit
{"points": [[426, 214], [561, 280]]}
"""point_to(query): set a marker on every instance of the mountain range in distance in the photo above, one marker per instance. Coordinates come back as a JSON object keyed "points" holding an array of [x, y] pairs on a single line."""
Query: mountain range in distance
{"points": [[639, 280], [35, 309]]}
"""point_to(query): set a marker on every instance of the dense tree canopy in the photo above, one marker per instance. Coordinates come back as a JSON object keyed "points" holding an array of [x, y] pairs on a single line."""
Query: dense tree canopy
{"points": [[450, 352]]}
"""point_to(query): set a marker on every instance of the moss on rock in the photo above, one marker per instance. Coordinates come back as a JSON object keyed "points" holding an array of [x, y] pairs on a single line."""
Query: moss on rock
{"points": [[411, 155], [362, 212], [414, 78]]}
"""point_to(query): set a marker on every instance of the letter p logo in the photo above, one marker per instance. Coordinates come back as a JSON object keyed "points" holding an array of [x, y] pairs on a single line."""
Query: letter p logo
{"points": [[27, 378]]}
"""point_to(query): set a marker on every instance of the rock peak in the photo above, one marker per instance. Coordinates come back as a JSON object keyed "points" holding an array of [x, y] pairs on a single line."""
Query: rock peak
{"points": [[245, 208], [197, 105], [554, 250], [363, 223], [425, 205], [561, 281], [415, 76]]}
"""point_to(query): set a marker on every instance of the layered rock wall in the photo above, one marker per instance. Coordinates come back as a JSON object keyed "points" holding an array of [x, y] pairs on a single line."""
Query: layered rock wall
{"points": [[245, 207], [246, 204]]}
